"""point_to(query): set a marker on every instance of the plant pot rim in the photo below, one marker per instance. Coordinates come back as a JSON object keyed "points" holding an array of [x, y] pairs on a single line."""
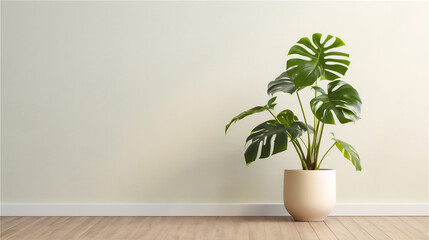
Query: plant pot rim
{"points": [[302, 170]]}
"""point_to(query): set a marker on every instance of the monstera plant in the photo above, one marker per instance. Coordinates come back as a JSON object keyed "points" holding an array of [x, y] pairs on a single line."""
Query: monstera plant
{"points": [[309, 63]]}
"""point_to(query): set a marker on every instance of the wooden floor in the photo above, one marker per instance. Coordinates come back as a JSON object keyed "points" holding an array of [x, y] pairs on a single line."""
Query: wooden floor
{"points": [[188, 228]]}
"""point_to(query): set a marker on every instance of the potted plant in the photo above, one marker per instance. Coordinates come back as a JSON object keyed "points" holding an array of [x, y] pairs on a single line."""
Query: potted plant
{"points": [[310, 192]]}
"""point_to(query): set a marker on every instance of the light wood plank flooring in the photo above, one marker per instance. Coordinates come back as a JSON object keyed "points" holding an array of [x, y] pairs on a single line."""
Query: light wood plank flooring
{"points": [[218, 228]]}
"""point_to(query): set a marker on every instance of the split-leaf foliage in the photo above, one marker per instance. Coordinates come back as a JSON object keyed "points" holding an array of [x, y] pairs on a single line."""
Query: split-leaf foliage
{"points": [[309, 62]]}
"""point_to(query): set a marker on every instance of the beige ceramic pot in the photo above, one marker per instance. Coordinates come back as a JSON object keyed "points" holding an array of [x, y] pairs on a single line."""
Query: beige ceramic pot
{"points": [[309, 195]]}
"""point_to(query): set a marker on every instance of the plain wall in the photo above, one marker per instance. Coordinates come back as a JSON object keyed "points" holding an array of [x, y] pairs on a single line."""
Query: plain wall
{"points": [[126, 102]]}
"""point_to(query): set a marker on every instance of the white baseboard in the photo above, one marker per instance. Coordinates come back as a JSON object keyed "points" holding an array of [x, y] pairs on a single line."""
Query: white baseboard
{"points": [[227, 209]]}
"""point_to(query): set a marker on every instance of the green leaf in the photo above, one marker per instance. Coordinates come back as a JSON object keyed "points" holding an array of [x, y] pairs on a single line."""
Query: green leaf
{"points": [[296, 129], [342, 100], [311, 129], [293, 126], [282, 83], [271, 103], [263, 135], [258, 109], [313, 59], [349, 152], [286, 117]]}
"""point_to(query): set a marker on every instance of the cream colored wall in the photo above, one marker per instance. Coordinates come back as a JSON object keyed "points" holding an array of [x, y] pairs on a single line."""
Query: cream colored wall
{"points": [[126, 102]]}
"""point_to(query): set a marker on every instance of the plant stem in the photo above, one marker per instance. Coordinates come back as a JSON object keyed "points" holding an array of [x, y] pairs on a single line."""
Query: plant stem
{"points": [[314, 117], [304, 164], [314, 146], [303, 114], [315, 134], [306, 124], [303, 143], [273, 115], [325, 155], [299, 145], [294, 142], [319, 140], [299, 152]]}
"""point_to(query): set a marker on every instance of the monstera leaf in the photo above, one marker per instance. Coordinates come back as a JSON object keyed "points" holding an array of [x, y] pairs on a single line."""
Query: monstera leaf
{"points": [[294, 127], [282, 83], [342, 100], [349, 152], [263, 135], [316, 60], [258, 109], [287, 117]]}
